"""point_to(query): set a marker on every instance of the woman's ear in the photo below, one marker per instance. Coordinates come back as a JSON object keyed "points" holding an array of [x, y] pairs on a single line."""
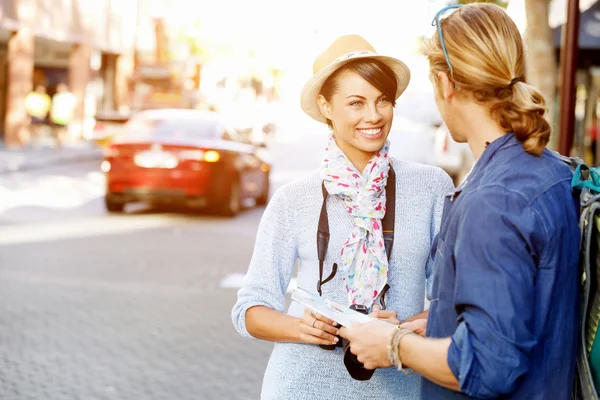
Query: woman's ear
{"points": [[446, 86], [324, 106]]}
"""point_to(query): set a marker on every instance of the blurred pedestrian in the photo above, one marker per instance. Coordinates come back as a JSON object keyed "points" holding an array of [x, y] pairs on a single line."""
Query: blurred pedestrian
{"points": [[504, 322], [37, 105], [62, 112], [354, 91]]}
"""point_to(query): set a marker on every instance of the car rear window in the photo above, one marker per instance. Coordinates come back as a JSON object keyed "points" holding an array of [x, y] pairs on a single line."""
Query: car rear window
{"points": [[171, 129]]}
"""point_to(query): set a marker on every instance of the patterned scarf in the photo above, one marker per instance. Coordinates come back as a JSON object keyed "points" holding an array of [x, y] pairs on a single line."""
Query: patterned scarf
{"points": [[364, 259]]}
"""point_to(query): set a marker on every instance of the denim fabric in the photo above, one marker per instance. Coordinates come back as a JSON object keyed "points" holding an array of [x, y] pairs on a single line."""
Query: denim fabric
{"points": [[506, 282]]}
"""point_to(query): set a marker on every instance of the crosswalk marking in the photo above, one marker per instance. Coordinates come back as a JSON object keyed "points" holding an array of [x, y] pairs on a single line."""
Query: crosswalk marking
{"points": [[84, 227]]}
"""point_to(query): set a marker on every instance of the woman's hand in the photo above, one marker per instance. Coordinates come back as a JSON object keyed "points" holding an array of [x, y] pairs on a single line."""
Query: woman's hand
{"points": [[418, 326], [317, 329], [390, 316]]}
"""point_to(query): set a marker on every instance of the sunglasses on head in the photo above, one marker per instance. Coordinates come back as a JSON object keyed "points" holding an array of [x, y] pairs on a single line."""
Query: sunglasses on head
{"points": [[436, 22]]}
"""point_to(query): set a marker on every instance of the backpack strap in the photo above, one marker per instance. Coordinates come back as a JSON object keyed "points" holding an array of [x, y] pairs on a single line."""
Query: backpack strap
{"points": [[388, 224], [389, 219], [587, 189], [585, 376], [572, 162], [323, 242]]}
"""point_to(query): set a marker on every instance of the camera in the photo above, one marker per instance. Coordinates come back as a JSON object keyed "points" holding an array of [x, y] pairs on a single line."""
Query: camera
{"points": [[355, 368]]}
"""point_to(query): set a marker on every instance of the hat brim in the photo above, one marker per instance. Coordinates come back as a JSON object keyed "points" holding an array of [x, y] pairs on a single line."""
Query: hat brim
{"points": [[312, 88]]}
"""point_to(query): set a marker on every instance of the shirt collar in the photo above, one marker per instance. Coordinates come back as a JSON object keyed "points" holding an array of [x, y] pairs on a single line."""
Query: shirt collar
{"points": [[505, 141]]}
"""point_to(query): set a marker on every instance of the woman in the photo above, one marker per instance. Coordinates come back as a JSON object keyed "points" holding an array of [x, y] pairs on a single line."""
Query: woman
{"points": [[503, 321], [353, 90]]}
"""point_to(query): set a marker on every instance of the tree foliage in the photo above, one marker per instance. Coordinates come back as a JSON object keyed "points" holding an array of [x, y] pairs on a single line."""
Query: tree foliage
{"points": [[500, 3]]}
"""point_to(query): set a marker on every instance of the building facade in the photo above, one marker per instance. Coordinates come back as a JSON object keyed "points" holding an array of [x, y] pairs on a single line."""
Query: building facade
{"points": [[87, 44]]}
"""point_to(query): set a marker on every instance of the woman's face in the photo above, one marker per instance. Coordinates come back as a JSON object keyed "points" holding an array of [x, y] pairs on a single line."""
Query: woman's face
{"points": [[360, 114]]}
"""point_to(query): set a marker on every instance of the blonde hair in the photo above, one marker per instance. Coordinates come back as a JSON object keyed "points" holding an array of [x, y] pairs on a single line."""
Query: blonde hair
{"points": [[487, 55]]}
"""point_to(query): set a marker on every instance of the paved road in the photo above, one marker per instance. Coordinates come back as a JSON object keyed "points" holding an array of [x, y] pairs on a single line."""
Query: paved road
{"points": [[97, 306]]}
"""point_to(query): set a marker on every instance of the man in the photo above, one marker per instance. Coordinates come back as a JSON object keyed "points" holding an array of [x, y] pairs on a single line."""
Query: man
{"points": [[37, 105], [61, 113], [503, 321]]}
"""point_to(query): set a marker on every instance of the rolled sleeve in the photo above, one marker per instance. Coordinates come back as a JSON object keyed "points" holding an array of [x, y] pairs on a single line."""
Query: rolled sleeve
{"points": [[272, 263], [493, 294]]}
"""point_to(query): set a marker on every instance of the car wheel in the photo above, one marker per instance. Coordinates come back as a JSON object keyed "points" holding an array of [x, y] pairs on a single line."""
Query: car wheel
{"points": [[263, 199], [113, 205], [232, 204]]}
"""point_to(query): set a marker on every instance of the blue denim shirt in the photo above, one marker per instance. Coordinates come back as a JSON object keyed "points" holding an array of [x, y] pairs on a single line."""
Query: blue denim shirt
{"points": [[506, 282]]}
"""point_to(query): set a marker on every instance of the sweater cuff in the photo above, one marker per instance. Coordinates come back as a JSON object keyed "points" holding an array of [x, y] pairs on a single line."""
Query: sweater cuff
{"points": [[239, 320]]}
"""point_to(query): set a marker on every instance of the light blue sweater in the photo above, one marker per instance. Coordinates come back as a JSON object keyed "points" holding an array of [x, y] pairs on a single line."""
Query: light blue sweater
{"points": [[287, 233]]}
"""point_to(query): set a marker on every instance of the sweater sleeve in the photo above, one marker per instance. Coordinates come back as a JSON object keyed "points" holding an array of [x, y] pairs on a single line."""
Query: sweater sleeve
{"points": [[442, 188], [272, 263]]}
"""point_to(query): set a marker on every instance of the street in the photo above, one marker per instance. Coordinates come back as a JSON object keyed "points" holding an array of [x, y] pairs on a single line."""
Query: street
{"points": [[132, 306]]}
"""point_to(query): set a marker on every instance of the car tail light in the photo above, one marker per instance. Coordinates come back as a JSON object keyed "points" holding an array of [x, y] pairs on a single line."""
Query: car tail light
{"points": [[196, 155], [212, 156], [105, 166], [111, 151]]}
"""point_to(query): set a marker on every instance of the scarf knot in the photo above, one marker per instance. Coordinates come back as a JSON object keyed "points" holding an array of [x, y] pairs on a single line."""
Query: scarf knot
{"points": [[363, 256]]}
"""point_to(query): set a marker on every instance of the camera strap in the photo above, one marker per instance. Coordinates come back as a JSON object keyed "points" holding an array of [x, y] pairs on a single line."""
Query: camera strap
{"points": [[388, 232]]}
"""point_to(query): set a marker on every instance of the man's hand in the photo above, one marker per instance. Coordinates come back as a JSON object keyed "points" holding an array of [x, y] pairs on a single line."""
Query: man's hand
{"points": [[369, 342]]}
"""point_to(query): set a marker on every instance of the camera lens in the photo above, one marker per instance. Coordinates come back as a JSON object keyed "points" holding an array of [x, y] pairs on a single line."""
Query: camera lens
{"points": [[355, 368]]}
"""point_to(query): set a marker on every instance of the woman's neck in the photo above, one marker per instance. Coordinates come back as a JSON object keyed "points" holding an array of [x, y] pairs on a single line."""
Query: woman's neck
{"points": [[357, 157]]}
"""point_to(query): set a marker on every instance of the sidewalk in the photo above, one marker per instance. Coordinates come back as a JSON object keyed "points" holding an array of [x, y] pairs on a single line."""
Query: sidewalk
{"points": [[30, 158]]}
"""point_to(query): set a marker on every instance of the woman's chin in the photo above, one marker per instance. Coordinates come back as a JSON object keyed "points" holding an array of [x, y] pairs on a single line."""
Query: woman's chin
{"points": [[370, 146]]}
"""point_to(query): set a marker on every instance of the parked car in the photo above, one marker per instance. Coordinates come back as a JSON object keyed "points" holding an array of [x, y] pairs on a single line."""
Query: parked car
{"points": [[453, 157], [107, 125], [188, 157]]}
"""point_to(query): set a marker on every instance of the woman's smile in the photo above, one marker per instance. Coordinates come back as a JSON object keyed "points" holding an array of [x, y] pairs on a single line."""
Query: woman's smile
{"points": [[370, 133]]}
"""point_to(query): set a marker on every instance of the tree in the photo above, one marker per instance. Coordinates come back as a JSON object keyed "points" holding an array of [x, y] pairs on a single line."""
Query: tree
{"points": [[500, 3], [542, 68]]}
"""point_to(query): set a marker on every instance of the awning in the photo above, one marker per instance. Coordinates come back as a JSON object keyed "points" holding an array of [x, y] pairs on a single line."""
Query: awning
{"points": [[589, 29]]}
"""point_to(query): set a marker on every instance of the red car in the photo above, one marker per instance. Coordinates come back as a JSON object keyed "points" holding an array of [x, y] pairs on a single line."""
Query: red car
{"points": [[184, 156]]}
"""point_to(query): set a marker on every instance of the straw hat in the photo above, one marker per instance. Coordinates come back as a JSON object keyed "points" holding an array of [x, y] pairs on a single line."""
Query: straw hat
{"points": [[342, 51]]}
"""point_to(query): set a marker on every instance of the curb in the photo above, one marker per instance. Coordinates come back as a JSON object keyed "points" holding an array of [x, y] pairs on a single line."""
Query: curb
{"points": [[33, 165]]}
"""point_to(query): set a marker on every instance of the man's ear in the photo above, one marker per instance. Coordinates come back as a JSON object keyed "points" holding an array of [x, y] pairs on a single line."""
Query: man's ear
{"points": [[447, 86], [324, 106]]}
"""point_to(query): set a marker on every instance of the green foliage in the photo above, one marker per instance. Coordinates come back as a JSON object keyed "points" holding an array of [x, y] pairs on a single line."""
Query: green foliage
{"points": [[500, 3]]}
